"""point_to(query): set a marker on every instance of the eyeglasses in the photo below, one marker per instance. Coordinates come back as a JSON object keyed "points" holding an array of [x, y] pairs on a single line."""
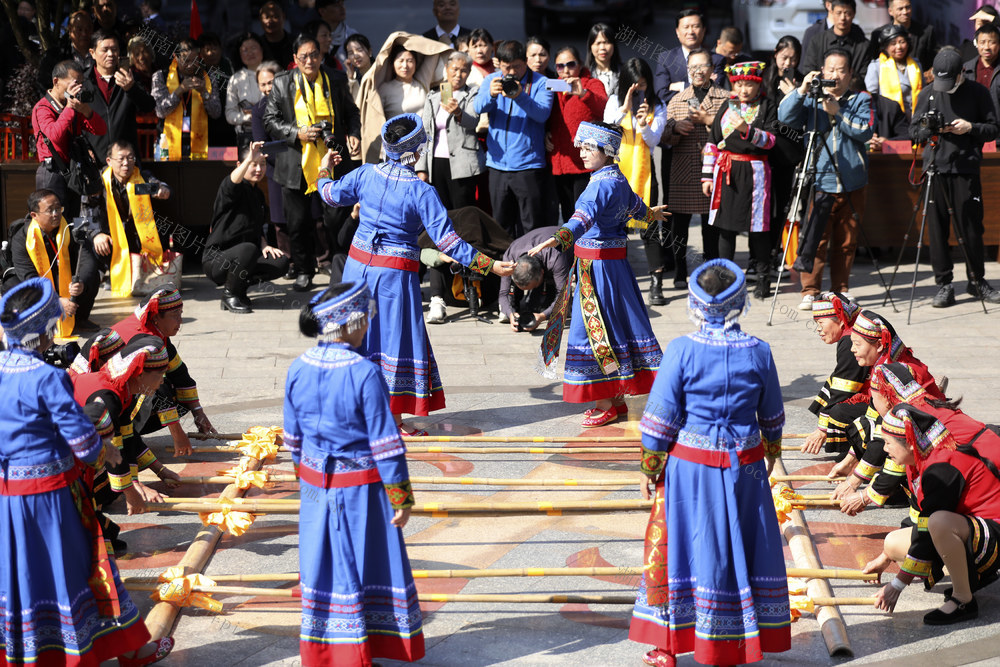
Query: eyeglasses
{"points": [[312, 55], [699, 68], [54, 212], [567, 65], [126, 159]]}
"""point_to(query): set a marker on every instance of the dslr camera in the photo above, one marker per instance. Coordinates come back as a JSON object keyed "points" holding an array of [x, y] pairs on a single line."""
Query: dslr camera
{"points": [[932, 121], [510, 85], [61, 356], [816, 86], [326, 128], [526, 319], [85, 96]]}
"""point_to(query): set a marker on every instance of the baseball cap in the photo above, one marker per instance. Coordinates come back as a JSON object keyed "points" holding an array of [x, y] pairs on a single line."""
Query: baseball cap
{"points": [[947, 69]]}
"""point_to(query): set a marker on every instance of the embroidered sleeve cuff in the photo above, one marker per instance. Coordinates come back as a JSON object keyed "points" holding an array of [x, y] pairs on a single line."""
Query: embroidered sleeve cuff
{"points": [[385, 448], [187, 395], [876, 497], [145, 459], [481, 264], [120, 482], [564, 237], [400, 495], [916, 567], [652, 463], [168, 416], [762, 139], [772, 448]]}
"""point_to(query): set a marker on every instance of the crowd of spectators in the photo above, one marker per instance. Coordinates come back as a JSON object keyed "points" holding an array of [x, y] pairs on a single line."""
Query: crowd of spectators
{"points": [[500, 116]]}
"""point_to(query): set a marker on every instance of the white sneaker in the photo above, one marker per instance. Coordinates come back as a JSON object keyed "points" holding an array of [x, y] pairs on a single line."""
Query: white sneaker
{"points": [[437, 312], [502, 318], [807, 302]]}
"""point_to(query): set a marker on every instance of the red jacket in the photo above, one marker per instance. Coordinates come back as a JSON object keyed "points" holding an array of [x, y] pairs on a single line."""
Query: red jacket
{"points": [[567, 114], [60, 127]]}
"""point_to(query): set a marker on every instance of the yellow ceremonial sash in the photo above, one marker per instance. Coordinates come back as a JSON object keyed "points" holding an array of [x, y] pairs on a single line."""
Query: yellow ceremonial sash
{"points": [[174, 122], [312, 106], [35, 245], [634, 161], [145, 225], [888, 80]]}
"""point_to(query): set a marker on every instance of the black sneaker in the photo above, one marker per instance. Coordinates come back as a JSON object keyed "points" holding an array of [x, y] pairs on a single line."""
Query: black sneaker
{"points": [[988, 293], [945, 296]]}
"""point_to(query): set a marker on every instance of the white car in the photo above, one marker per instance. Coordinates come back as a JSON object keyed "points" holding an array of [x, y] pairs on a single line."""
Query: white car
{"points": [[764, 22]]}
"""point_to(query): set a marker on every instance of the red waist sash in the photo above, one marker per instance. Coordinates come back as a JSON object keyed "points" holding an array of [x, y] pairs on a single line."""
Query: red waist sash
{"points": [[599, 253], [327, 480], [27, 487], [387, 261]]}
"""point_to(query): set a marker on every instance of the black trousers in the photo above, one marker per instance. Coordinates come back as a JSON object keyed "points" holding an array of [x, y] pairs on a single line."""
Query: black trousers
{"points": [[568, 188], [667, 249], [964, 192], [759, 244], [454, 192], [53, 180], [243, 263], [517, 201], [297, 206]]}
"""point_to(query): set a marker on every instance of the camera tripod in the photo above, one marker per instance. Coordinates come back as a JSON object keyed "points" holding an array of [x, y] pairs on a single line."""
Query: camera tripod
{"points": [[805, 184], [924, 198]]}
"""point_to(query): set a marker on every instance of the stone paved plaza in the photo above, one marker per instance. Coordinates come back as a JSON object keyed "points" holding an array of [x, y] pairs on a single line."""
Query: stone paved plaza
{"points": [[491, 386]]}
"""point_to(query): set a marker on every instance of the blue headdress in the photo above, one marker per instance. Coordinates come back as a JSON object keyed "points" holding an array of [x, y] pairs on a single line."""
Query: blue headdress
{"points": [[405, 150], [344, 312], [726, 307], [594, 137], [40, 318]]}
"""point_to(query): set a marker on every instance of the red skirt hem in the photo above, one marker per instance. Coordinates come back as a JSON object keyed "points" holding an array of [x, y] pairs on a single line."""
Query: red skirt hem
{"points": [[361, 655], [104, 648], [710, 651], [640, 383], [417, 405]]}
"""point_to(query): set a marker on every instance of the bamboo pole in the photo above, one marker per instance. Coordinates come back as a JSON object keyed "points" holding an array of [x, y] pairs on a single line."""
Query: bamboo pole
{"points": [[283, 506], [816, 501], [160, 619], [806, 478], [468, 573], [449, 481], [490, 438], [800, 543]]}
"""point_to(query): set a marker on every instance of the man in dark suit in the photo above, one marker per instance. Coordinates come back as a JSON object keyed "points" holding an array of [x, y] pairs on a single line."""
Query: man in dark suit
{"points": [[825, 24], [447, 29], [671, 74], [843, 35], [923, 42], [298, 181], [118, 98]]}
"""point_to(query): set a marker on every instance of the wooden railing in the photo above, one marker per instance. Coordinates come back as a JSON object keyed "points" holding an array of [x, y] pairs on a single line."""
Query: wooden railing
{"points": [[147, 135], [15, 138]]}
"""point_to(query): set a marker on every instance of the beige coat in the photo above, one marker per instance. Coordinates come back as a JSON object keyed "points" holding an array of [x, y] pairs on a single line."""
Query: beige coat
{"points": [[432, 55]]}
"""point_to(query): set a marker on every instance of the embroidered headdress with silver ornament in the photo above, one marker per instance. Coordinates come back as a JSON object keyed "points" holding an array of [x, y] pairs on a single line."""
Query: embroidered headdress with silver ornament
{"points": [[407, 149], [344, 313], [26, 327], [725, 308], [597, 138]]}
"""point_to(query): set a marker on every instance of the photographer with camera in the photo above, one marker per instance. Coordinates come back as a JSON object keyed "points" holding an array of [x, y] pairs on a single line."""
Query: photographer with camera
{"points": [[56, 120], [311, 109], [185, 98], [40, 248], [953, 118], [528, 295], [128, 234], [518, 104], [844, 121]]}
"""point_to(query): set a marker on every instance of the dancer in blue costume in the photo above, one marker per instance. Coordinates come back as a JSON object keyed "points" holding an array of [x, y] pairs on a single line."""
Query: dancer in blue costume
{"points": [[358, 597], [714, 573], [611, 350], [395, 207], [61, 599]]}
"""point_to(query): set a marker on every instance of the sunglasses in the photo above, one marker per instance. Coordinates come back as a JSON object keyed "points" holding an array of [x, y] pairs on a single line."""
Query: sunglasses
{"points": [[569, 65]]}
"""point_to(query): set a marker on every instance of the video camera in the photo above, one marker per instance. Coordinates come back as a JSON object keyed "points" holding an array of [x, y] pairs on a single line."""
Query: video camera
{"points": [[816, 86]]}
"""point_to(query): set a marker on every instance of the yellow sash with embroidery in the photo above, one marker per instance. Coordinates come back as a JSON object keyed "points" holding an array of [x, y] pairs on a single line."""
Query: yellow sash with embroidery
{"points": [[312, 105], [888, 80], [174, 122], [634, 161], [145, 225], [35, 245]]}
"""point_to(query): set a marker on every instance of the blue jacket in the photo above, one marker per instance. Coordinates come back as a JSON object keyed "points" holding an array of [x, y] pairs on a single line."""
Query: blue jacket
{"points": [[516, 139], [853, 127]]}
